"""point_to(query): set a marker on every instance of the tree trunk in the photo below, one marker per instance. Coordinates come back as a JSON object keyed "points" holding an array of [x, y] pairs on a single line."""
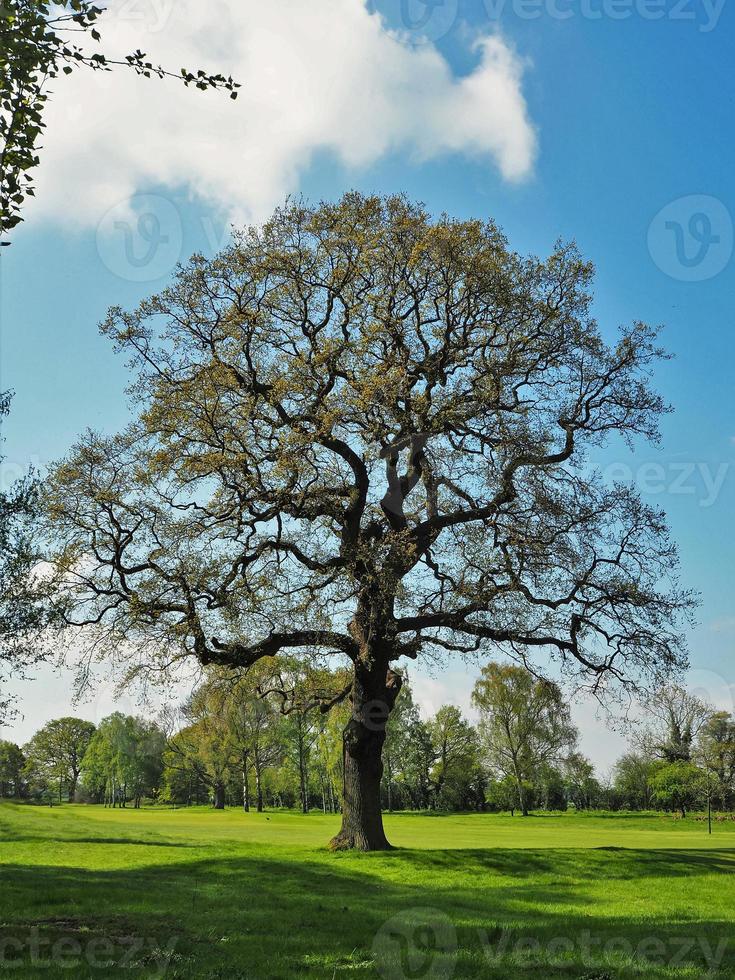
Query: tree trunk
{"points": [[521, 791], [374, 693], [258, 786], [219, 796], [302, 770], [245, 785]]}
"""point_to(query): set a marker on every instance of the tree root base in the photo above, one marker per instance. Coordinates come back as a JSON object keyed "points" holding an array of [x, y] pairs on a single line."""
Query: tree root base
{"points": [[356, 842]]}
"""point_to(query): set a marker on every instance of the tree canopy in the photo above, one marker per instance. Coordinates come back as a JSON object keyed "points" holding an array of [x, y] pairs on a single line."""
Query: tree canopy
{"points": [[363, 433], [57, 750], [524, 721], [124, 759], [674, 718]]}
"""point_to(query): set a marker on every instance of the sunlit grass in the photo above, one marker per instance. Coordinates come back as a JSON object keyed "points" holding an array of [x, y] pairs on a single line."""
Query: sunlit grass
{"points": [[259, 896]]}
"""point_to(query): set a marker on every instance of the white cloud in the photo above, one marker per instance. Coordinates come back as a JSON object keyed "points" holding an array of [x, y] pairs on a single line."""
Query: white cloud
{"points": [[318, 76]]}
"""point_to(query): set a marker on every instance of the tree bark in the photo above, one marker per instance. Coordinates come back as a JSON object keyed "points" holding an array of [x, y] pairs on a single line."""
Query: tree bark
{"points": [[258, 785], [245, 785], [374, 693], [521, 791], [219, 796], [302, 769]]}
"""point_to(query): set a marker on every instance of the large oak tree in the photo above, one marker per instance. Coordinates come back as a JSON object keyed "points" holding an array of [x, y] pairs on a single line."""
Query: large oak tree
{"points": [[363, 434]]}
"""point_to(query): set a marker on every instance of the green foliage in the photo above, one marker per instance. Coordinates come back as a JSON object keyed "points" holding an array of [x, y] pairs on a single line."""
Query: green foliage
{"points": [[678, 785], [124, 761], [12, 763], [548, 788], [525, 726], [36, 44], [456, 777], [633, 780], [258, 736], [407, 755], [502, 794], [56, 753], [716, 754], [581, 786], [232, 744]]}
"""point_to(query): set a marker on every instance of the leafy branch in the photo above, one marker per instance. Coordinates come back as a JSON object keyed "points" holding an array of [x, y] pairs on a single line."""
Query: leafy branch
{"points": [[35, 46]]}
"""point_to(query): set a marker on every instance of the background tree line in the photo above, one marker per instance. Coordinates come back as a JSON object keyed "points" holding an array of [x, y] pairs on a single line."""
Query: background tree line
{"points": [[246, 741]]}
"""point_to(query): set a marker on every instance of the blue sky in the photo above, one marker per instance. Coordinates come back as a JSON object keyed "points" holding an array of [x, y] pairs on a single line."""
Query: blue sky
{"points": [[630, 116]]}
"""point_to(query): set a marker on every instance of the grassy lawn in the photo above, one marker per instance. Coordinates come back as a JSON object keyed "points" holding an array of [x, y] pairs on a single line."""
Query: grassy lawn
{"points": [[197, 893]]}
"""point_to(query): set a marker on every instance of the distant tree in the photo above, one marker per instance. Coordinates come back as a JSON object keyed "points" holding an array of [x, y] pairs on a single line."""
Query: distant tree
{"points": [[300, 734], [205, 747], [56, 752], [632, 780], [716, 751], [549, 787], [12, 762], [404, 781], [411, 760], [524, 724], [581, 785], [362, 433], [502, 794], [678, 785], [124, 761], [675, 718], [328, 757], [304, 691], [253, 722], [455, 769], [37, 41]]}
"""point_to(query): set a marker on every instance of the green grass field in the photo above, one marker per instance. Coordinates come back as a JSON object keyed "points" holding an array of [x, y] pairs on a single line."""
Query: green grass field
{"points": [[196, 893]]}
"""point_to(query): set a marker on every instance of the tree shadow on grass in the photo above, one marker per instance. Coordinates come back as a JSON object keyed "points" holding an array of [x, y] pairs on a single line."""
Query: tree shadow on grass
{"points": [[16, 838], [611, 862], [406, 914]]}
